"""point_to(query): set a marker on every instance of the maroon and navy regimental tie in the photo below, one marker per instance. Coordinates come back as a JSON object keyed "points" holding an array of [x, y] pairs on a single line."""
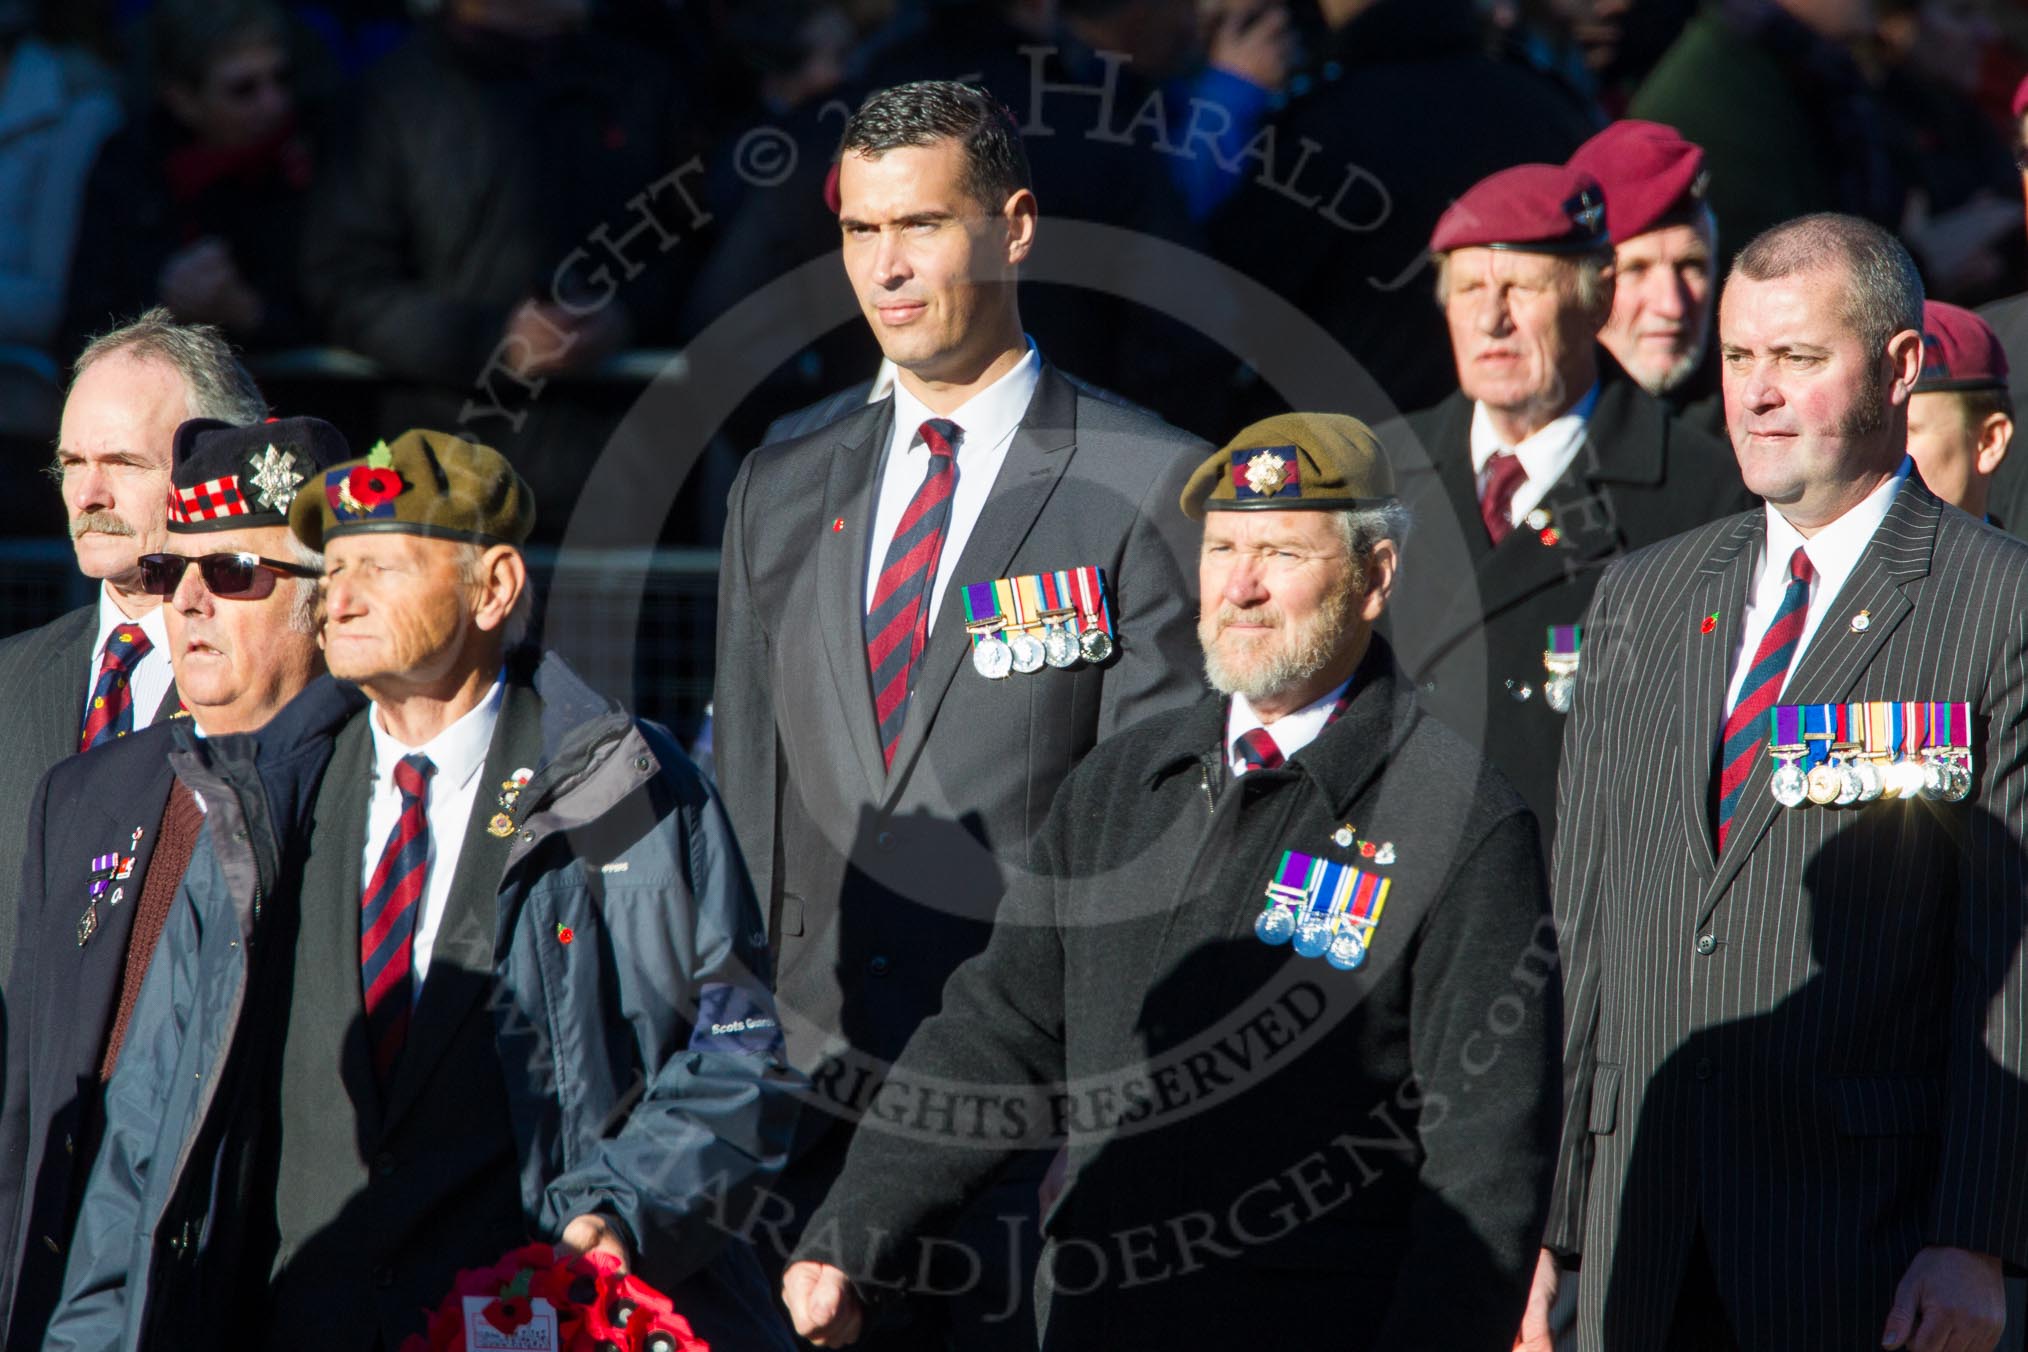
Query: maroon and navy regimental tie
{"points": [[1745, 730], [897, 623], [387, 917]]}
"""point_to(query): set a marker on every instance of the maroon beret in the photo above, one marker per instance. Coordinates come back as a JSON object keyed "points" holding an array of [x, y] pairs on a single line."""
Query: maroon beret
{"points": [[2020, 104], [1535, 208], [1652, 177], [1960, 351]]}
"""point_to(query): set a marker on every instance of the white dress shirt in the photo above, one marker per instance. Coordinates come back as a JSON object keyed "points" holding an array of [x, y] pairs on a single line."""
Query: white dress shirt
{"points": [[1292, 732], [150, 678], [459, 753], [989, 419], [1545, 454], [1834, 551]]}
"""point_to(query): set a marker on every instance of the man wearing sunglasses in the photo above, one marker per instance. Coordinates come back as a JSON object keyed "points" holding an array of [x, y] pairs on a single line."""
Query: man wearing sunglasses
{"points": [[110, 834], [476, 966]]}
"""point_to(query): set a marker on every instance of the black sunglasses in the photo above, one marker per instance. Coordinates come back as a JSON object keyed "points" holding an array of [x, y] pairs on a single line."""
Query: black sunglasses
{"points": [[238, 577]]}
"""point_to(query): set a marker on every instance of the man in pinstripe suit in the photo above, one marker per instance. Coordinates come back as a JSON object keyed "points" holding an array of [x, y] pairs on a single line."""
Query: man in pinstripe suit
{"points": [[1796, 1036]]}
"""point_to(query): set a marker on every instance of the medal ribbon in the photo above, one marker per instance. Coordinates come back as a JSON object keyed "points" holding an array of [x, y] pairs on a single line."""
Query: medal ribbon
{"points": [[1291, 881], [1879, 730], [1785, 725], [1563, 639], [1912, 729], [1029, 590], [1961, 726], [1816, 734], [1092, 606], [980, 606]]}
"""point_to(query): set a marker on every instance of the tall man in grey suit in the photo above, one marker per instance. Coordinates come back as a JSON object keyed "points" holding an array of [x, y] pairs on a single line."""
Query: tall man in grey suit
{"points": [[131, 389], [885, 787], [1794, 1032]]}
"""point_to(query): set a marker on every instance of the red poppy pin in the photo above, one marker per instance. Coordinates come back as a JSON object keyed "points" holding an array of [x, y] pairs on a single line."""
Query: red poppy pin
{"points": [[369, 489], [564, 934], [1710, 623]]}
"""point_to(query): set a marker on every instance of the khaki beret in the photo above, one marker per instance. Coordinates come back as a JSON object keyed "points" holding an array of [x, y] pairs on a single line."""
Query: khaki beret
{"points": [[424, 483], [1320, 461]]}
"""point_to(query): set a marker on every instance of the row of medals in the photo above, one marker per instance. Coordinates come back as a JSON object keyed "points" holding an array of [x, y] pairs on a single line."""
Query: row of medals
{"points": [[1854, 776], [1313, 936], [1061, 645]]}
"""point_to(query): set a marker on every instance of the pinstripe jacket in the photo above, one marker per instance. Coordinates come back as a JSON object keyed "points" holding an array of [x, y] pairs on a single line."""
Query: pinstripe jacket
{"points": [[1811, 1045]]}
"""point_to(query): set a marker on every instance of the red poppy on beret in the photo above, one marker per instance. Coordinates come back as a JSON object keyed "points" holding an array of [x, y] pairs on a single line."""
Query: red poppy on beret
{"points": [[371, 487], [1535, 208], [1651, 176]]}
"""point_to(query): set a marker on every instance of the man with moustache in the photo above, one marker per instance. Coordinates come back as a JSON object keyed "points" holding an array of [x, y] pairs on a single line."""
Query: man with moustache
{"points": [[1308, 872], [1549, 463], [929, 611], [1665, 257], [110, 834], [103, 670], [1795, 1069], [472, 966]]}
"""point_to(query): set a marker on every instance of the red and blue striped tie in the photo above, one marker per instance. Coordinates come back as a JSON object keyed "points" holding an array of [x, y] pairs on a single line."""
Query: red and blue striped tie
{"points": [[387, 917], [1256, 750], [110, 713], [1746, 729], [897, 624]]}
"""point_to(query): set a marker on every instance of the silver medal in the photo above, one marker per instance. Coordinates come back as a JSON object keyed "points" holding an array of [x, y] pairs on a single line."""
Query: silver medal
{"points": [[1557, 690], [1313, 936], [1789, 785], [1347, 951], [990, 656], [1276, 925], [1850, 784], [1027, 652], [1869, 780], [1059, 646], [1096, 645]]}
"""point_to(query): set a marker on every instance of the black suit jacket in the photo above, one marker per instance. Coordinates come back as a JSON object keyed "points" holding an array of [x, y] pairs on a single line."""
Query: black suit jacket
{"points": [[879, 882], [1809, 1044], [44, 672], [1470, 620], [63, 992]]}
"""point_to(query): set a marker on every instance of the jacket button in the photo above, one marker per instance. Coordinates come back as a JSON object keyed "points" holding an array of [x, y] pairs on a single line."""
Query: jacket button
{"points": [[383, 1164], [69, 1145], [879, 965], [52, 1245], [383, 1276], [1429, 687], [884, 842], [1521, 691], [642, 763], [1705, 1070], [1706, 945]]}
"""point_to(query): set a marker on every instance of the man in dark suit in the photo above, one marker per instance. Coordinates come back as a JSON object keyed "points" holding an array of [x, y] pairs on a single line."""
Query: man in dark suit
{"points": [[885, 787], [1793, 1035], [1284, 969], [1547, 464], [132, 388], [110, 834]]}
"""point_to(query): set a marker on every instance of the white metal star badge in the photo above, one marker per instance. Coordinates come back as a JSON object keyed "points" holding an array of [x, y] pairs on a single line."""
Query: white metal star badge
{"points": [[276, 478]]}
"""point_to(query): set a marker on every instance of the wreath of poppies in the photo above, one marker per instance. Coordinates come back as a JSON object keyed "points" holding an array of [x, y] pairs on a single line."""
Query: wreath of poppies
{"points": [[597, 1308]]}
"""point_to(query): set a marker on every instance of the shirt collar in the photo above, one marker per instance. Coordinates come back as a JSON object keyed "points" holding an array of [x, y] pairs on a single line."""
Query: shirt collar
{"points": [[1292, 731], [1545, 452], [1834, 551], [457, 752], [112, 617], [988, 417]]}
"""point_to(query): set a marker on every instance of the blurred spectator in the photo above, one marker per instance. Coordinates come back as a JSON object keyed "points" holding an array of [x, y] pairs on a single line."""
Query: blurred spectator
{"points": [[2009, 318], [56, 110], [198, 205], [518, 205], [1769, 88], [1620, 41], [1407, 111], [1954, 158]]}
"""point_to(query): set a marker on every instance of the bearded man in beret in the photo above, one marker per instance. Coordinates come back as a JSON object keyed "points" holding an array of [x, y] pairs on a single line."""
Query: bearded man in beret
{"points": [[475, 964], [1286, 951]]}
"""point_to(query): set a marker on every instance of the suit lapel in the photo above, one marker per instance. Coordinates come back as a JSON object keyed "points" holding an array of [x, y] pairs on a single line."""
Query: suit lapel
{"points": [[332, 923], [1703, 666], [171, 705], [58, 695], [461, 958], [1035, 462], [848, 497], [1898, 553]]}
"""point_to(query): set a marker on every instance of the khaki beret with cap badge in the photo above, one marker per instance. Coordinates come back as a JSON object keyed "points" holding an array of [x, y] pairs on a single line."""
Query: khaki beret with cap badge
{"points": [[423, 483], [1316, 461]]}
